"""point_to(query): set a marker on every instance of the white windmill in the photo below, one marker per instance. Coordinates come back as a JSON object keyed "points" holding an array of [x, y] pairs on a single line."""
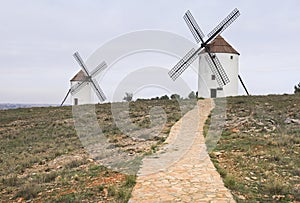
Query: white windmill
{"points": [[229, 58], [212, 76], [83, 83]]}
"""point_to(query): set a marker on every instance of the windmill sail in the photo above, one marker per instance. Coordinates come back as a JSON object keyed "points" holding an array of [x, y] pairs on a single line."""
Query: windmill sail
{"points": [[193, 26], [183, 64], [214, 63], [99, 68], [81, 63], [225, 23], [98, 90], [76, 88], [217, 69]]}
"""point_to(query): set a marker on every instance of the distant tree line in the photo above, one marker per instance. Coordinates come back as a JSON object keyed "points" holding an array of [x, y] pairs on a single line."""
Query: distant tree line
{"points": [[192, 95]]}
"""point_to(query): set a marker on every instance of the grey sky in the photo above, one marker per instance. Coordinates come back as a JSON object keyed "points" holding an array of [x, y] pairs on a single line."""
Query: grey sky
{"points": [[38, 39]]}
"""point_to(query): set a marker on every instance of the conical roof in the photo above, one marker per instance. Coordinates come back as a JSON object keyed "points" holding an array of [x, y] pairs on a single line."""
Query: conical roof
{"points": [[80, 76], [219, 45]]}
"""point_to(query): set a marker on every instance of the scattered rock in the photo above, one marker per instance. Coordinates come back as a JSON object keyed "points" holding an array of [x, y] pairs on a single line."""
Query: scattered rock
{"points": [[131, 153], [291, 196], [75, 177], [58, 178], [105, 191], [21, 199], [278, 197], [241, 197], [218, 154], [271, 121], [235, 130], [247, 178], [291, 120], [253, 178], [260, 123]]}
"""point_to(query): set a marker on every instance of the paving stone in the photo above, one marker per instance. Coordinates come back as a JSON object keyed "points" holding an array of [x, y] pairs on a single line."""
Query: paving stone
{"points": [[183, 171]]}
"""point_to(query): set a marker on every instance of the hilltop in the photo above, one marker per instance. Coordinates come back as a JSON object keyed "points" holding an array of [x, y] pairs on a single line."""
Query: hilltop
{"points": [[43, 159]]}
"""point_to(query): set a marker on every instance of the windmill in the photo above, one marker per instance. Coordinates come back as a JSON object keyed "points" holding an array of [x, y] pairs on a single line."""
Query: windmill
{"points": [[88, 79], [211, 58]]}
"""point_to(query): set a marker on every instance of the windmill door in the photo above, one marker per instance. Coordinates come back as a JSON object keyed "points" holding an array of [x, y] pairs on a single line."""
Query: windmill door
{"points": [[75, 101], [213, 93]]}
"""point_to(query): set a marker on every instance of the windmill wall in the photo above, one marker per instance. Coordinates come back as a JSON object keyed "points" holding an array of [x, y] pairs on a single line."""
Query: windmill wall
{"points": [[83, 96], [207, 83], [229, 58]]}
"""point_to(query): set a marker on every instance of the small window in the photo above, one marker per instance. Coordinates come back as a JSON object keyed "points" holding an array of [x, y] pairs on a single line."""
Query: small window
{"points": [[213, 77], [231, 57], [220, 88]]}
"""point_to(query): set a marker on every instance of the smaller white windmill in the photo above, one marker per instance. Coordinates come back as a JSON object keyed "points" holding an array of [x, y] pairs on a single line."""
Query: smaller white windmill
{"points": [[85, 79]]}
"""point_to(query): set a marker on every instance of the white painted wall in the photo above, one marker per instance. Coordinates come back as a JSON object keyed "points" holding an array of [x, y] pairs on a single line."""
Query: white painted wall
{"points": [[205, 82], [84, 95]]}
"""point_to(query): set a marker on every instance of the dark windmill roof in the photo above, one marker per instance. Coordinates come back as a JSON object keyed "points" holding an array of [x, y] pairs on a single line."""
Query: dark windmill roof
{"points": [[80, 76], [219, 45]]}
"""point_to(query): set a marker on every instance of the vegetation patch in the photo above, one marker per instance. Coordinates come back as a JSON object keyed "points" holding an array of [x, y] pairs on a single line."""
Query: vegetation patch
{"points": [[258, 154], [43, 160]]}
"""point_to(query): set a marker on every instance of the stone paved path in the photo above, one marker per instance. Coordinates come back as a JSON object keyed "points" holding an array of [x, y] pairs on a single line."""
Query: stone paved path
{"points": [[182, 170]]}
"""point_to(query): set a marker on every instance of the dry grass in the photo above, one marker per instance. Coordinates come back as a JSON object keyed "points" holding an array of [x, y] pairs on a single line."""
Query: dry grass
{"points": [[42, 158], [258, 155]]}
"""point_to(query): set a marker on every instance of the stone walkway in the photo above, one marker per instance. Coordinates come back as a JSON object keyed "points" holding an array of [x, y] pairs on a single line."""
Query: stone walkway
{"points": [[182, 170]]}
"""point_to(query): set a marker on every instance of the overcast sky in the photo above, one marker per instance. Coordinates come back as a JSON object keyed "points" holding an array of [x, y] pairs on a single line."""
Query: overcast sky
{"points": [[38, 38]]}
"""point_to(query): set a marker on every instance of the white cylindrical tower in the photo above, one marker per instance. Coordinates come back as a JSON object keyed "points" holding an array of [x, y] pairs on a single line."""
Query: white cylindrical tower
{"points": [[229, 58], [84, 95]]}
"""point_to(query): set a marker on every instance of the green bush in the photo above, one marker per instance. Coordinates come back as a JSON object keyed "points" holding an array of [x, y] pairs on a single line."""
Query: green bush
{"points": [[28, 191]]}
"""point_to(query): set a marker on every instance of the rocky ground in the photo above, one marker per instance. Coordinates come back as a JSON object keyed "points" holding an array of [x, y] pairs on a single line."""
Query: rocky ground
{"points": [[43, 160], [258, 154]]}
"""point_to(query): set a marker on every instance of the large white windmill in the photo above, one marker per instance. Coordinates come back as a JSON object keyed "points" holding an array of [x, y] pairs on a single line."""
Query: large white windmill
{"points": [[219, 61], [229, 58]]}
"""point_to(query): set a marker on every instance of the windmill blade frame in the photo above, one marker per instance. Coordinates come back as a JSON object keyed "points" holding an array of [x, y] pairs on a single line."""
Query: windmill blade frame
{"points": [[98, 90], [76, 88], [225, 23], [81, 63], [102, 66], [193, 26], [183, 64], [216, 67]]}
